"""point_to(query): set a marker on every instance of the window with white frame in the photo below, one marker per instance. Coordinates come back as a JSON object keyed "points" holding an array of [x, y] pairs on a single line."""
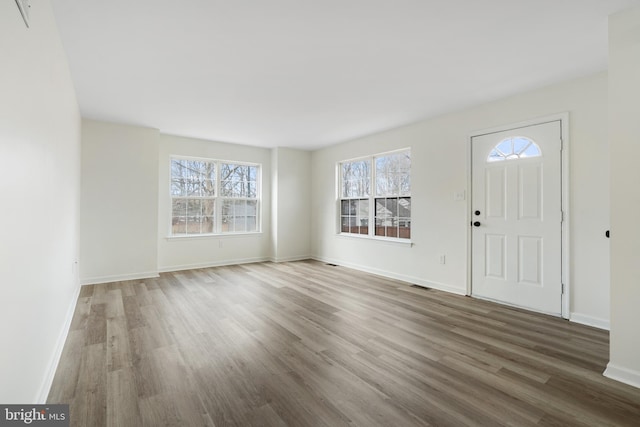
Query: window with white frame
{"points": [[214, 197], [376, 190]]}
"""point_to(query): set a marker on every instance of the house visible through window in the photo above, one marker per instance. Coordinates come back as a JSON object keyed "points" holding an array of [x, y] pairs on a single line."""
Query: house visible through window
{"points": [[384, 182], [214, 197]]}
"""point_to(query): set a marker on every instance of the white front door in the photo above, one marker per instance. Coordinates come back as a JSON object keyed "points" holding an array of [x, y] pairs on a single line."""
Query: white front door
{"points": [[516, 217]]}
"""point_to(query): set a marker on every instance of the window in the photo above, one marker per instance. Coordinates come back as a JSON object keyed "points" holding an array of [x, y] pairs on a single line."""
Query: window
{"points": [[384, 182], [214, 197], [517, 147]]}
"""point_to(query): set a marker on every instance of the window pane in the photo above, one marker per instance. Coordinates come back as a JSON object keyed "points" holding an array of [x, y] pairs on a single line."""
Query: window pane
{"points": [[179, 207], [252, 189], [207, 224], [239, 181], [392, 174], [532, 151], [392, 230], [355, 178], [344, 207], [404, 228], [208, 207], [252, 223], [226, 189], [519, 144], [178, 187], [192, 177], [208, 188], [393, 217], [363, 211], [239, 215], [252, 207], [404, 207], [345, 224], [179, 225], [194, 208], [405, 184], [354, 216]]}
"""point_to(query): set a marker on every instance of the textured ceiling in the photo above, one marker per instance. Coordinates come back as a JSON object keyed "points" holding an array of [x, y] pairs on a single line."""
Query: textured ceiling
{"points": [[308, 74]]}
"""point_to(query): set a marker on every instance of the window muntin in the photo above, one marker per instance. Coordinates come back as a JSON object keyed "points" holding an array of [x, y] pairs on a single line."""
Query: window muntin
{"points": [[388, 206], [517, 147], [214, 197]]}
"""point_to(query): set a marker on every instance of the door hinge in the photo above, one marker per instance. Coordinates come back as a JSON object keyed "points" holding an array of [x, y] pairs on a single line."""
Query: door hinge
{"points": [[561, 144], [562, 288], [561, 216]]}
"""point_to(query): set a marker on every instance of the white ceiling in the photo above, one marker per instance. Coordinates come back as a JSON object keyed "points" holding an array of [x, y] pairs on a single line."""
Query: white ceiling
{"points": [[310, 73]]}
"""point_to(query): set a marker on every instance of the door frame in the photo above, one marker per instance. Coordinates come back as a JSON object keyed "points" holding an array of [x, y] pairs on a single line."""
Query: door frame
{"points": [[564, 194]]}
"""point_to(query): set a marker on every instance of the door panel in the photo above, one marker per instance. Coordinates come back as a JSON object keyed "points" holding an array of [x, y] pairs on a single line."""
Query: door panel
{"points": [[495, 256], [529, 260], [530, 192], [516, 245], [495, 193]]}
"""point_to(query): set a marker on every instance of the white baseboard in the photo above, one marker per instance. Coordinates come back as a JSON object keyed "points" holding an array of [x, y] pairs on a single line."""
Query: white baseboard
{"points": [[623, 375], [43, 393], [394, 275], [583, 319], [211, 264], [118, 278], [291, 259]]}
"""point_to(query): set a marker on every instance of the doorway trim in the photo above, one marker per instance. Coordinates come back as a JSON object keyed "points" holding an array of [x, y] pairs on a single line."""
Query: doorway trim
{"points": [[565, 226]]}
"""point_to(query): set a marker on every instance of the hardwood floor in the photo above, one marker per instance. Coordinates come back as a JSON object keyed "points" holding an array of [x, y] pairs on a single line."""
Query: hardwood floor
{"points": [[307, 344]]}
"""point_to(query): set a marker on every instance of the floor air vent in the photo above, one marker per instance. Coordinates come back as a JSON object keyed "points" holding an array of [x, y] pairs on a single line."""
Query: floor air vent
{"points": [[332, 265], [424, 288]]}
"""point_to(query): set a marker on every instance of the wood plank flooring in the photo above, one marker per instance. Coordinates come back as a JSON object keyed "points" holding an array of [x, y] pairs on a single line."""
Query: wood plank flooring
{"points": [[308, 344]]}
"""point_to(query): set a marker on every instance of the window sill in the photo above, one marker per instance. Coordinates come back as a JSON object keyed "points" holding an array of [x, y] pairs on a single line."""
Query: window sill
{"points": [[215, 236], [387, 240]]}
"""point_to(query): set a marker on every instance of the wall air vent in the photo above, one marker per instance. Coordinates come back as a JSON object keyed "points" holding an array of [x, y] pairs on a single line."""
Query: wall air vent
{"points": [[24, 6]]}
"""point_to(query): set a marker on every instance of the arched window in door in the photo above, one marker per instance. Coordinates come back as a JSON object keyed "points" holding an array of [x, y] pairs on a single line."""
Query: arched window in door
{"points": [[516, 147]]}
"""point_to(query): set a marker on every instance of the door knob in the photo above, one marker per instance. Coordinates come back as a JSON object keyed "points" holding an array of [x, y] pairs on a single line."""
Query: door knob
{"points": [[476, 224], [477, 213]]}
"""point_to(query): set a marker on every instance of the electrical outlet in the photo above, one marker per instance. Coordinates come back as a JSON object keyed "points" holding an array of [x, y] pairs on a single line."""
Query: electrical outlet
{"points": [[443, 259]]}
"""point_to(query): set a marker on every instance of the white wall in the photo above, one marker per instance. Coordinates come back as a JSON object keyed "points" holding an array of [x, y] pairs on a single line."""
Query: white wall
{"points": [[439, 150], [291, 204], [624, 137], [39, 193], [119, 202], [196, 252]]}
